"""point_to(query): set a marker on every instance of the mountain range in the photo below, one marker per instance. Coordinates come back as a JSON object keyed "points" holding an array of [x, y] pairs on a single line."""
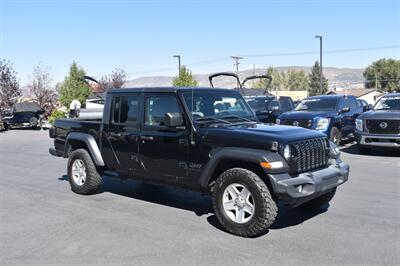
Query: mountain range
{"points": [[337, 77]]}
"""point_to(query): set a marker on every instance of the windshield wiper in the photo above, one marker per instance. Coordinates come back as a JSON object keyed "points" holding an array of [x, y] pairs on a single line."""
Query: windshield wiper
{"points": [[238, 117], [212, 119]]}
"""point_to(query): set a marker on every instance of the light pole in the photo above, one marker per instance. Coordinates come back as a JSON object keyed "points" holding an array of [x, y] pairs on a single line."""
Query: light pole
{"points": [[320, 59], [179, 63]]}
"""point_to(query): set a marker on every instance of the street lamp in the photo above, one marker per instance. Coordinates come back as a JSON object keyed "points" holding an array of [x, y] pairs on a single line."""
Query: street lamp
{"points": [[179, 63], [320, 59]]}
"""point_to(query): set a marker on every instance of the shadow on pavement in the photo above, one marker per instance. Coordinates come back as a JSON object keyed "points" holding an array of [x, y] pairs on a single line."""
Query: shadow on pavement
{"points": [[168, 196], [352, 149], [193, 201]]}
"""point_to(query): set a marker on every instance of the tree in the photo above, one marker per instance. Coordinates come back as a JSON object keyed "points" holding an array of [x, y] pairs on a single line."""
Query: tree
{"points": [[185, 78], [278, 80], [297, 80], [74, 86], [314, 81], [42, 90], [285, 80], [116, 79], [9, 86], [383, 74]]}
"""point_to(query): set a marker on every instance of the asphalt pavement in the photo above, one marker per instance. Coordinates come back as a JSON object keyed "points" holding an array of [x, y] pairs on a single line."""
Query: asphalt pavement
{"points": [[43, 222]]}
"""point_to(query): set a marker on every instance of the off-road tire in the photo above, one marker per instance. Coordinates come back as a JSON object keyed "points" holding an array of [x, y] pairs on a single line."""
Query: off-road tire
{"points": [[33, 122], [319, 202], [93, 179], [363, 150], [335, 133], [265, 207]]}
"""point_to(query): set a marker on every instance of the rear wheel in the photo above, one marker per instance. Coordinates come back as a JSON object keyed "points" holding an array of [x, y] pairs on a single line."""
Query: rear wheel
{"points": [[83, 176], [33, 122], [319, 202], [335, 136], [243, 203]]}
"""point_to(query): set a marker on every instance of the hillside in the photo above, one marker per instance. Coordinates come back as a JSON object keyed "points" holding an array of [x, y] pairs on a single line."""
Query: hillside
{"points": [[337, 77]]}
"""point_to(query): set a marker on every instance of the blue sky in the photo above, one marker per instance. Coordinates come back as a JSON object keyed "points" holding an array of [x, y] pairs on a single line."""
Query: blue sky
{"points": [[142, 36]]}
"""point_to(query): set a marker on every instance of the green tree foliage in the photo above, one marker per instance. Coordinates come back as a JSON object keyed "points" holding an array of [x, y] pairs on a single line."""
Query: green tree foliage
{"points": [[314, 81], [289, 80], [278, 80], [185, 78], [297, 80], [9, 86], [56, 114], [386, 72], [74, 86]]}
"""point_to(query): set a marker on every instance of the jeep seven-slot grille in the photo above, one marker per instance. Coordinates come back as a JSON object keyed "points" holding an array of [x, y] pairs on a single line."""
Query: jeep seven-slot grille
{"points": [[383, 126], [306, 123], [309, 155]]}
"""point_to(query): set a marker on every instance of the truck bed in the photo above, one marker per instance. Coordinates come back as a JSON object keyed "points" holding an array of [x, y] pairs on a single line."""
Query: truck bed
{"points": [[63, 127]]}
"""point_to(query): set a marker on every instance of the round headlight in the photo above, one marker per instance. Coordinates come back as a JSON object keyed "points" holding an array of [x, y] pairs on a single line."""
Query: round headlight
{"points": [[287, 153]]}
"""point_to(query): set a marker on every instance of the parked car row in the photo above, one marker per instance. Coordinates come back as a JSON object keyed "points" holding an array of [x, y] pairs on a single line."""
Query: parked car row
{"points": [[333, 115], [27, 114]]}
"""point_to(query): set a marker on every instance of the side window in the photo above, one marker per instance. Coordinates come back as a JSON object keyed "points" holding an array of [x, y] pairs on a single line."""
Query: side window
{"points": [[285, 104], [274, 103], [345, 102], [157, 106], [353, 104], [125, 110]]}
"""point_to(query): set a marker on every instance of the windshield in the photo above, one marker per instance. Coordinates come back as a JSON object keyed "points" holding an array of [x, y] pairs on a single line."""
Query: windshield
{"points": [[317, 104], [388, 103], [259, 104], [217, 105]]}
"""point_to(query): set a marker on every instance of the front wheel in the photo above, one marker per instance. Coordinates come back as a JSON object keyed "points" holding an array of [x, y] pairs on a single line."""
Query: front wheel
{"points": [[243, 203], [83, 176], [335, 136]]}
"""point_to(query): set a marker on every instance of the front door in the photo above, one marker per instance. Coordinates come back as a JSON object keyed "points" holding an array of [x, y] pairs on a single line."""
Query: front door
{"points": [[163, 150], [123, 133]]}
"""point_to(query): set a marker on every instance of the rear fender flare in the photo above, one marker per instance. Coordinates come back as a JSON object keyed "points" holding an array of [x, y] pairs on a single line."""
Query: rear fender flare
{"points": [[90, 144]]}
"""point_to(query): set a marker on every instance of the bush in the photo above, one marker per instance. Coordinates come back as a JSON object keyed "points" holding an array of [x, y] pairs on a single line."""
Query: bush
{"points": [[57, 114]]}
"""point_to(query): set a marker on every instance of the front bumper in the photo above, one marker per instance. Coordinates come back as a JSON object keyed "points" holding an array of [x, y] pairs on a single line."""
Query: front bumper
{"points": [[294, 191], [378, 140]]}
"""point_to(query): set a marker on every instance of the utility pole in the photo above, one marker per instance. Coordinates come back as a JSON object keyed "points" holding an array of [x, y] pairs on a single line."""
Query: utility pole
{"points": [[237, 63], [179, 63], [320, 60]]}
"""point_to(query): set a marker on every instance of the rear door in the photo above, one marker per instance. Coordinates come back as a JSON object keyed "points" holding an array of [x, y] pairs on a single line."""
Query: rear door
{"points": [[123, 132], [163, 150], [348, 118], [286, 104]]}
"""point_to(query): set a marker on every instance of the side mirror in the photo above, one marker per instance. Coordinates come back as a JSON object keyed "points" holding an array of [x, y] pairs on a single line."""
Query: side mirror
{"points": [[345, 109], [367, 107], [173, 119]]}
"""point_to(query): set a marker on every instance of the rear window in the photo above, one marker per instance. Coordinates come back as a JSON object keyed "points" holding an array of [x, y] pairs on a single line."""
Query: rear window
{"points": [[125, 109]]}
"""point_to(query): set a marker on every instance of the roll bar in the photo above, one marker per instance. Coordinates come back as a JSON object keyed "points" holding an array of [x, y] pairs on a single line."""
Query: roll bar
{"points": [[258, 77]]}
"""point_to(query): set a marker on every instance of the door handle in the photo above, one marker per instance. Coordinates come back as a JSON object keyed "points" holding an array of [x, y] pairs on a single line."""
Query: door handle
{"points": [[146, 138], [115, 134]]}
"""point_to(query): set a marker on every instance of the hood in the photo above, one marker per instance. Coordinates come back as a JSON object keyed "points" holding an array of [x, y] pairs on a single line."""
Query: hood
{"points": [[384, 115], [306, 115], [258, 135]]}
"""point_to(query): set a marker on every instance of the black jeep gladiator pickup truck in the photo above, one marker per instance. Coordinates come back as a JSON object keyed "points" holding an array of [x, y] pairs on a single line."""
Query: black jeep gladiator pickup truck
{"points": [[207, 140]]}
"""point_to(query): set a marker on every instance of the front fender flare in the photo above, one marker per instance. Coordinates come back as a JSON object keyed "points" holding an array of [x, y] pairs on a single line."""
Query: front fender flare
{"points": [[241, 154], [90, 143]]}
